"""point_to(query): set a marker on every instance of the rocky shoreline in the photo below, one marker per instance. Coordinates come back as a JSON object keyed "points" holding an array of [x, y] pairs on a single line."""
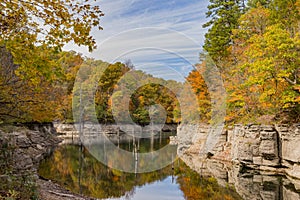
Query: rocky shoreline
{"points": [[251, 158], [69, 130], [22, 150], [27, 145], [264, 149]]}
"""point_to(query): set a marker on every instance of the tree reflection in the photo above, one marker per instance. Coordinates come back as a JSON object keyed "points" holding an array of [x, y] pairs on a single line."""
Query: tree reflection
{"points": [[75, 169]]}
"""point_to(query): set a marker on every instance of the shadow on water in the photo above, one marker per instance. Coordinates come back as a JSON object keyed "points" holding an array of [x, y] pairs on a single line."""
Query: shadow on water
{"points": [[75, 169]]}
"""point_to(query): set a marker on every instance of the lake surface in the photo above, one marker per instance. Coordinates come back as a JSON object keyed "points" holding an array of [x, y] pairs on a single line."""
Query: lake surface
{"points": [[74, 168]]}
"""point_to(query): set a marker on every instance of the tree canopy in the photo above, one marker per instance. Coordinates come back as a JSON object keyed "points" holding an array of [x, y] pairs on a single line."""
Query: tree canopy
{"points": [[223, 17], [261, 64], [255, 44], [49, 22], [34, 73]]}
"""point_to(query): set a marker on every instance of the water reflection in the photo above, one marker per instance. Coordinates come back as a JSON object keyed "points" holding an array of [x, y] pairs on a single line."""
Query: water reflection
{"points": [[165, 189], [249, 184], [75, 169]]}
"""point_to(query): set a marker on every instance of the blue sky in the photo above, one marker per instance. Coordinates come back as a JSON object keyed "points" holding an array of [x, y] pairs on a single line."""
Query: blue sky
{"points": [[161, 37]]}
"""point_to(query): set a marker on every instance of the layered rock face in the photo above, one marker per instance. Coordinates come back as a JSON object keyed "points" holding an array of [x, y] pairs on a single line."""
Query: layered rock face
{"points": [[265, 147], [263, 150], [274, 148], [256, 145], [21, 151], [26, 148], [290, 149]]}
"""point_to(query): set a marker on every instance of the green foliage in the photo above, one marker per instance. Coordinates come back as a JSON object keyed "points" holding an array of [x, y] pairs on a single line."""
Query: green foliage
{"points": [[224, 17], [34, 74], [53, 23], [18, 187], [25, 91], [123, 94], [257, 3], [150, 95], [286, 13], [263, 74], [105, 89]]}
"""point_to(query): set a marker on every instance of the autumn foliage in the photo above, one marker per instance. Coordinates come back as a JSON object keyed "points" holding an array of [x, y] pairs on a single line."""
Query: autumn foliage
{"points": [[261, 69], [254, 44]]}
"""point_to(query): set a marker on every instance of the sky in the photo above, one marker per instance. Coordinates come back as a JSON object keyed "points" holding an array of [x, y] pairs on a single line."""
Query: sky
{"points": [[161, 37]]}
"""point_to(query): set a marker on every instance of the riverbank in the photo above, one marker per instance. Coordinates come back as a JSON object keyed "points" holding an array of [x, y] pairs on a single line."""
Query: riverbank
{"points": [[265, 151], [24, 147], [260, 161], [21, 152], [49, 190], [68, 131], [262, 147]]}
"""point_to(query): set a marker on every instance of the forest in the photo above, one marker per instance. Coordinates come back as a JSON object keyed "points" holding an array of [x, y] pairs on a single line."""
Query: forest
{"points": [[255, 45]]}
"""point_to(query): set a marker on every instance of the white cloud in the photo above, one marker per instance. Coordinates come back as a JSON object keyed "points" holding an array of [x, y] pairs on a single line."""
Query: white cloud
{"points": [[176, 27]]}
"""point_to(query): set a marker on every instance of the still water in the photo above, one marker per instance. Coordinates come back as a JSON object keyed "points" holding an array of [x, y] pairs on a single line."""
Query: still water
{"points": [[74, 168]]}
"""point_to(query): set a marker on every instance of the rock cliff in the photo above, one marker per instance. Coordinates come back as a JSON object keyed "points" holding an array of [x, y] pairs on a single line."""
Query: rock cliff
{"points": [[247, 157], [21, 151], [264, 147], [27, 148]]}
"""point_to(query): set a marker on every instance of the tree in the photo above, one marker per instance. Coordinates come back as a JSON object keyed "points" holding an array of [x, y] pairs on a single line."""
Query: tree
{"points": [[257, 3], [49, 22], [257, 50], [70, 63], [275, 66], [224, 17], [265, 77], [200, 89], [149, 95], [33, 67], [105, 89], [28, 99], [286, 13]]}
